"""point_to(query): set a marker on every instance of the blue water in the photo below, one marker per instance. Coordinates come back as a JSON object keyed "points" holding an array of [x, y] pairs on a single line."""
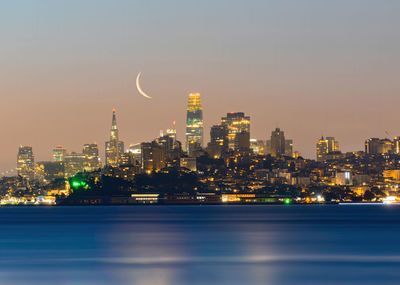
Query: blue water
{"points": [[163, 245]]}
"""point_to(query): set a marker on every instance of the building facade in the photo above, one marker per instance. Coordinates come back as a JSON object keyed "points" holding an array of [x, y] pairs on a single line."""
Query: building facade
{"points": [[26, 162], [114, 147], [59, 153], [238, 129], [194, 123]]}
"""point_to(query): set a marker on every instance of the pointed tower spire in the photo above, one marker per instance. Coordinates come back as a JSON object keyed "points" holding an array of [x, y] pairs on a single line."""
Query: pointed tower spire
{"points": [[114, 147], [114, 120]]}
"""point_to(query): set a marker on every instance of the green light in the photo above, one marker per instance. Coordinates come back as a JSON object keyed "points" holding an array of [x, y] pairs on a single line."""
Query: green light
{"points": [[287, 201], [79, 183], [76, 184]]}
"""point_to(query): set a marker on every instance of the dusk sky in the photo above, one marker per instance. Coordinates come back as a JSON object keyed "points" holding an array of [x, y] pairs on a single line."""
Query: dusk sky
{"points": [[309, 67]]}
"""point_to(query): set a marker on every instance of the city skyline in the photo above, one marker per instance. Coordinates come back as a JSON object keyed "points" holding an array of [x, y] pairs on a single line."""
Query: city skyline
{"points": [[58, 85]]}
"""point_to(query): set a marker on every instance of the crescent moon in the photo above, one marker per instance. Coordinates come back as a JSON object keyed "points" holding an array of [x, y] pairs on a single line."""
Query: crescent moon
{"points": [[140, 88]]}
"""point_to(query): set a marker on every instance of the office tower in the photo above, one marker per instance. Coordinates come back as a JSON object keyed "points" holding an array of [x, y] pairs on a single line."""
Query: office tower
{"points": [[172, 132], [26, 162], [242, 141], [74, 163], [322, 149], [327, 148], [114, 147], [289, 148], [136, 150], [218, 144], [257, 146], [92, 159], [237, 123], [194, 123], [147, 157], [396, 145], [333, 145], [378, 146], [277, 144], [59, 153]]}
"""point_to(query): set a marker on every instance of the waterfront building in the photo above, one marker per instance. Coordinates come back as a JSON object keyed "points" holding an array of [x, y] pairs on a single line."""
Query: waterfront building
{"points": [[114, 147], [194, 123], [26, 162]]}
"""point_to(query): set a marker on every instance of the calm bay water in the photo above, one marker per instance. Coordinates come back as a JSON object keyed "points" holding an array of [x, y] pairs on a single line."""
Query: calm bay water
{"points": [[163, 245]]}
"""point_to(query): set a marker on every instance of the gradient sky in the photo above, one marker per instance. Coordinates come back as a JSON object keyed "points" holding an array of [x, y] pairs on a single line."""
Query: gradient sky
{"points": [[309, 67]]}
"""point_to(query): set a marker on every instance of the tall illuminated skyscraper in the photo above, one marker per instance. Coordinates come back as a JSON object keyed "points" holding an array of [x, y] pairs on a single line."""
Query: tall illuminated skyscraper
{"points": [[326, 146], [114, 147], [322, 149], [59, 153], [92, 159], [238, 128], [194, 123], [26, 162]]}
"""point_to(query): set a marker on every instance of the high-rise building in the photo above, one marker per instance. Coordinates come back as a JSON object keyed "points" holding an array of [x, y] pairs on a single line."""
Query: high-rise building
{"points": [[277, 144], [136, 150], [59, 153], [333, 145], [289, 148], [327, 146], [194, 123], [396, 145], [74, 163], [114, 147], [26, 162], [91, 153], [218, 144], [378, 146], [238, 128], [322, 149], [147, 157], [257, 146]]}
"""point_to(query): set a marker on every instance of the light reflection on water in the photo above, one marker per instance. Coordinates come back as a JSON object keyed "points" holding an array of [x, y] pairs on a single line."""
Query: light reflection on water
{"points": [[165, 245]]}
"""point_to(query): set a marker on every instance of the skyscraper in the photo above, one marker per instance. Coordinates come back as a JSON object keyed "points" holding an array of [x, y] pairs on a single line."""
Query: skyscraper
{"points": [[194, 123], [326, 146], [26, 162], [277, 144], [218, 144], [92, 159], [114, 147], [378, 146], [396, 145], [238, 127], [59, 153], [333, 145], [74, 163], [322, 149]]}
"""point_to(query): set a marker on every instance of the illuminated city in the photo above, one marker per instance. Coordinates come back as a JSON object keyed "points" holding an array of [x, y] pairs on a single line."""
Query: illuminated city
{"points": [[199, 142], [233, 168]]}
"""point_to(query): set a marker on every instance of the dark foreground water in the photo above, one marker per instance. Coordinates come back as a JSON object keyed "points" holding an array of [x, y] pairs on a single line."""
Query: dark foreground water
{"points": [[172, 245]]}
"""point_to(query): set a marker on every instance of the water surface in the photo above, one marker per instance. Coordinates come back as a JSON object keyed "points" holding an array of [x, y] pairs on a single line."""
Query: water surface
{"points": [[172, 245]]}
